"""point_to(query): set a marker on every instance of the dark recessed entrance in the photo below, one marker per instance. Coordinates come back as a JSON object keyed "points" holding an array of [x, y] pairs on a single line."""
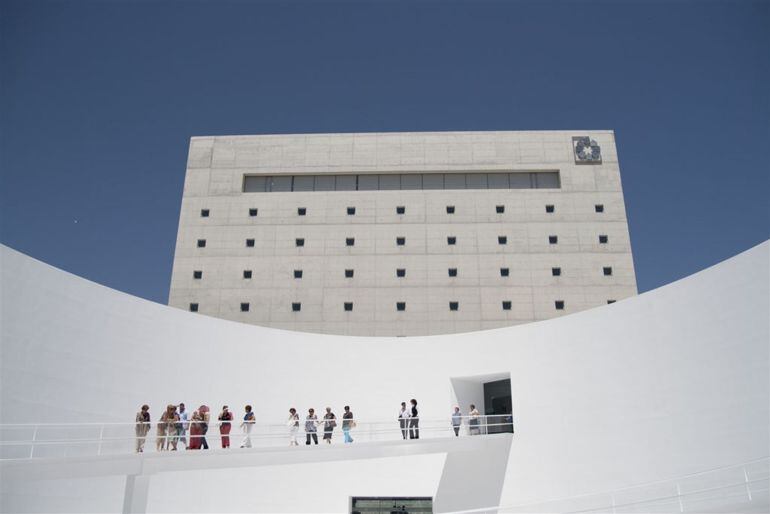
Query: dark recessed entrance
{"points": [[391, 505], [498, 406]]}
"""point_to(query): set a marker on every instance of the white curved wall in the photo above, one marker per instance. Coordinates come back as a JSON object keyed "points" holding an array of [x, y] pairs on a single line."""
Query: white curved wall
{"points": [[671, 382]]}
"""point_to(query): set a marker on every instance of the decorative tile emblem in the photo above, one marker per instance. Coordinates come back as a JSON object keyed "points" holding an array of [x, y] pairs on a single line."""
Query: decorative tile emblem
{"points": [[587, 151]]}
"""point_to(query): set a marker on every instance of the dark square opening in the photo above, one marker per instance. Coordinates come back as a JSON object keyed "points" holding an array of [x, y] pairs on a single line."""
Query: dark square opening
{"points": [[197, 274], [553, 240], [556, 272], [301, 211], [603, 239], [400, 241], [250, 243], [611, 301], [351, 211], [252, 212], [296, 306], [400, 306], [348, 273], [401, 272], [504, 272], [451, 240], [452, 272], [299, 241], [453, 306], [350, 241], [499, 209], [400, 209], [599, 207], [450, 209], [549, 209], [201, 243], [204, 213], [297, 273], [506, 305], [559, 304], [247, 273], [348, 306], [193, 307], [244, 307], [607, 270], [502, 240]]}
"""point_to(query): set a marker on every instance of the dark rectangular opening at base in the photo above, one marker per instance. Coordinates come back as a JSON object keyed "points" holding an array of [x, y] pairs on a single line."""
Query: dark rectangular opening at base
{"points": [[390, 505]]}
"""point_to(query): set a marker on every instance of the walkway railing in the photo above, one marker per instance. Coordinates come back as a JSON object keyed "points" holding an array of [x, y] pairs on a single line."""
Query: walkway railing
{"points": [[725, 487], [49, 440]]}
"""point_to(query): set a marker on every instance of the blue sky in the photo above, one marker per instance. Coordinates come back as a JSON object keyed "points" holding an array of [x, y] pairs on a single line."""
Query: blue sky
{"points": [[99, 100]]}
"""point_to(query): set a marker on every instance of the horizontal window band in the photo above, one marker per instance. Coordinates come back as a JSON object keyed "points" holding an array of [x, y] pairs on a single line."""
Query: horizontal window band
{"points": [[401, 182]]}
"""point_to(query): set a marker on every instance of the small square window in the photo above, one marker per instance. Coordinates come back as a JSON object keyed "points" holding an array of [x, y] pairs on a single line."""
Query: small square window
{"points": [[559, 304], [348, 273], [553, 240], [244, 307], [499, 209], [607, 271], [401, 272], [503, 240], [453, 306], [297, 273], [549, 209], [300, 241], [350, 241], [400, 306], [204, 213], [452, 272], [400, 241], [556, 272], [351, 211], [506, 305], [450, 209], [193, 307], [250, 243], [603, 239], [504, 272], [296, 306], [301, 211], [197, 274], [400, 209], [252, 212], [348, 306], [611, 301], [201, 243], [247, 273], [599, 207], [451, 240]]}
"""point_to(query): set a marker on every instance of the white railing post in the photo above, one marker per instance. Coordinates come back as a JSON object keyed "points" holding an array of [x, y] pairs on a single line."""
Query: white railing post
{"points": [[612, 498], [679, 497], [101, 438], [746, 478], [34, 438]]}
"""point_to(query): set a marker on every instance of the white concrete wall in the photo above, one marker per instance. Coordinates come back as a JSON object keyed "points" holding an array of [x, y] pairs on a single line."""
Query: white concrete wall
{"points": [[670, 382], [215, 170]]}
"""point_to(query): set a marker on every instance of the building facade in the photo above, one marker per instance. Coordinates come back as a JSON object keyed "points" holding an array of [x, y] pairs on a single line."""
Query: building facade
{"points": [[401, 234]]}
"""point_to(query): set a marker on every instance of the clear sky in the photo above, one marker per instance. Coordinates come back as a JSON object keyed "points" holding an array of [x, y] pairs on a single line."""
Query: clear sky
{"points": [[99, 100]]}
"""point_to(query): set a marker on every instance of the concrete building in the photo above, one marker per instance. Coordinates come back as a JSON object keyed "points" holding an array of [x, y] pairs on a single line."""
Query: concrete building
{"points": [[402, 234]]}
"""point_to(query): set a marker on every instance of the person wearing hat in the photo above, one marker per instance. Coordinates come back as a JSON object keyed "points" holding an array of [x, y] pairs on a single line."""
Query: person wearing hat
{"points": [[142, 427], [225, 425]]}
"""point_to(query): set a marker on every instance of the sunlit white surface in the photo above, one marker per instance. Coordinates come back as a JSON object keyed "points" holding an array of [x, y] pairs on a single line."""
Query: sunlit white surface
{"points": [[669, 383]]}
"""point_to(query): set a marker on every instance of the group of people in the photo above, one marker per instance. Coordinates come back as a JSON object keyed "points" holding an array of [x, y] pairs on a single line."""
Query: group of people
{"points": [[174, 424], [329, 422]]}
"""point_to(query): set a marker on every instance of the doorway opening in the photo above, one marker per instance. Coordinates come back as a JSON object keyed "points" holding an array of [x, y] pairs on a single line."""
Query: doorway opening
{"points": [[390, 505], [492, 398]]}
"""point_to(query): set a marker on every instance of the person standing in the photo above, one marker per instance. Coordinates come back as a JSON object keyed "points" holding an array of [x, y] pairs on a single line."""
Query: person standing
{"points": [[225, 425], [330, 421], [196, 431], [311, 426], [171, 427], [474, 421], [142, 427], [414, 421], [293, 425], [247, 425], [457, 418], [403, 420], [347, 423], [183, 424], [161, 436], [204, 413]]}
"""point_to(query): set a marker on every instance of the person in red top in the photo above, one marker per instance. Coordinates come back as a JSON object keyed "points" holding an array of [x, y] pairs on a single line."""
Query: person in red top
{"points": [[196, 431], [226, 418]]}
